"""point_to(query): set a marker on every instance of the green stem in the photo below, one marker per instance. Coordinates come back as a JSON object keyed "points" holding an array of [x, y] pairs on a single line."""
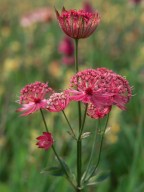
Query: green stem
{"points": [[74, 136], [100, 149], [54, 150], [84, 118], [76, 56], [79, 143], [93, 150], [45, 124]]}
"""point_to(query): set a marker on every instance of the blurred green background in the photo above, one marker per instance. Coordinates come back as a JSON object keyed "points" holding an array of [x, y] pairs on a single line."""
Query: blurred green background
{"points": [[29, 54]]}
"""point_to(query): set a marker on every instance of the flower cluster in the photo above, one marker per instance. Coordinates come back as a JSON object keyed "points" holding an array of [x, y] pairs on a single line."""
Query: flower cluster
{"points": [[58, 101], [33, 97], [100, 89], [42, 15], [78, 24]]}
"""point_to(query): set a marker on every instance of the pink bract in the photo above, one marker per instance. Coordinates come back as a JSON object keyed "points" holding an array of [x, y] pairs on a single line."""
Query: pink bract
{"points": [[58, 101], [101, 87], [32, 97], [45, 141], [78, 24]]}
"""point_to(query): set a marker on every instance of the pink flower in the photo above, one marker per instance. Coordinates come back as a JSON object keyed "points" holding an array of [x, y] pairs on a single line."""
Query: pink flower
{"points": [[32, 97], [78, 24], [42, 15], [58, 101], [136, 2], [101, 87], [87, 7], [97, 112], [45, 141], [66, 46], [116, 85]]}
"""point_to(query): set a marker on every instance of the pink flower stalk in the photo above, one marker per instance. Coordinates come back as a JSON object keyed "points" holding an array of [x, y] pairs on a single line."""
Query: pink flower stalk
{"points": [[45, 141], [42, 15], [66, 46], [78, 24], [101, 87], [58, 101], [32, 97], [99, 112]]}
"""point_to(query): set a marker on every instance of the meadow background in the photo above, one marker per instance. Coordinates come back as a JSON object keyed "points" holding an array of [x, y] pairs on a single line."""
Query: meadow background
{"points": [[29, 54]]}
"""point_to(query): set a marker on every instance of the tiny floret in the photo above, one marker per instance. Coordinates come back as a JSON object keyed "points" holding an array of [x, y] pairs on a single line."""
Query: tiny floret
{"points": [[78, 24]]}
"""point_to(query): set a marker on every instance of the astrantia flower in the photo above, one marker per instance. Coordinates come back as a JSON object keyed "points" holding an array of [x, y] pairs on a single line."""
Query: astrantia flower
{"points": [[45, 141], [136, 2], [116, 85], [58, 101], [97, 112], [66, 46], [101, 87], [42, 15], [33, 97], [78, 24], [88, 7]]}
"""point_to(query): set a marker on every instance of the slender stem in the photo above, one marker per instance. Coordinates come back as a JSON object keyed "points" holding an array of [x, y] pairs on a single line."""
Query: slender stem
{"points": [[76, 56], [93, 149], [84, 118], [45, 124], [100, 149], [79, 143], [54, 150], [72, 131]]}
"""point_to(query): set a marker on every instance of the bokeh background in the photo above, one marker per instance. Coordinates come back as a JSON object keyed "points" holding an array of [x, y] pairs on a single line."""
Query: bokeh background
{"points": [[29, 52]]}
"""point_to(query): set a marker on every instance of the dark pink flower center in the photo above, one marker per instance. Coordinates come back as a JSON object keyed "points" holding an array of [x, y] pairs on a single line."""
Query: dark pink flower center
{"points": [[37, 100], [89, 91]]}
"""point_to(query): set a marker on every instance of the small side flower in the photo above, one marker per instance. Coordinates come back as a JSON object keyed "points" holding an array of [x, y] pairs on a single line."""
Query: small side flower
{"points": [[45, 141], [33, 97], [58, 101]]}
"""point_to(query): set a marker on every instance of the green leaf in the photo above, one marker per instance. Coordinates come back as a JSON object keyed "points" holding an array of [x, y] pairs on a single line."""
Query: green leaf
{"points": [[103, 176], [71, 176], [55, 171], [96, 179]]}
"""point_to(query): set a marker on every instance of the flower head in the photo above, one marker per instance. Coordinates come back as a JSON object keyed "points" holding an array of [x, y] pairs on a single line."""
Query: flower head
{"points": [[87, 7], [58, 101], [42, 15], [101, 87], [78, 24], [136, 2], [97, 112], [66, 46], [32, 97], [45, 141]]}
